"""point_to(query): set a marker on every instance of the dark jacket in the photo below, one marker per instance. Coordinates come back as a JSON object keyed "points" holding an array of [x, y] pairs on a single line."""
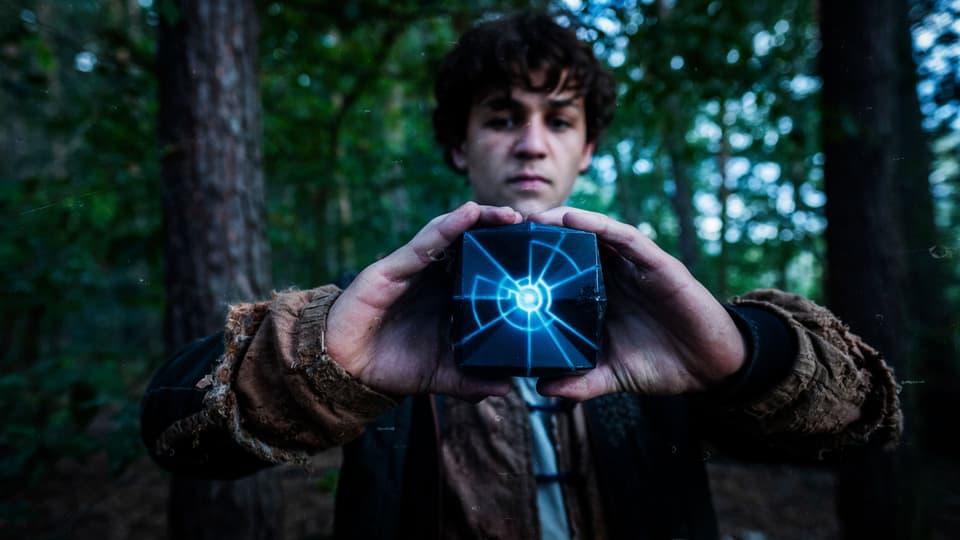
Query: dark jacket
{"points": [[646, 457]]}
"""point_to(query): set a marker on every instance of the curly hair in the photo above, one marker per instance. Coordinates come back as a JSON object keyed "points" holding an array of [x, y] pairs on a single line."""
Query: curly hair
{"points": [[505, 53]]}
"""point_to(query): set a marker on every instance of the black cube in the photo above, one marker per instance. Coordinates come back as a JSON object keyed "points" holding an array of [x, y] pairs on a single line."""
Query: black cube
{"points": [[528, 301]]}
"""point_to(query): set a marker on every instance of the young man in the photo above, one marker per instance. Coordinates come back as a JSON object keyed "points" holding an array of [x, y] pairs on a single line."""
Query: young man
{"points": [[612, 453]]}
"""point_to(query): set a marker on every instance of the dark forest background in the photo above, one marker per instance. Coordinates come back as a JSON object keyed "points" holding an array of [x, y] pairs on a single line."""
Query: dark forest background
{"points": [[160, 159]]}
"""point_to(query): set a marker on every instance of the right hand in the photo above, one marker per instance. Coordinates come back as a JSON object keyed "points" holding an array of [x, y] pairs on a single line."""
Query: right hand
{"points": [[390, 328]]}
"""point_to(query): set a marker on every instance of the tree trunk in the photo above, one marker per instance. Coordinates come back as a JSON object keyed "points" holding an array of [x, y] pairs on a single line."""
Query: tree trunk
{"points": [[723, 194], [216, 247], [931, 319], [682, 197], [625, 196], [866, 260]]}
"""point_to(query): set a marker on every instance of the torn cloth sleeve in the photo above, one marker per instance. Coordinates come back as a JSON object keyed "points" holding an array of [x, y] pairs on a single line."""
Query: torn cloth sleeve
{"points": [[267, 393]]}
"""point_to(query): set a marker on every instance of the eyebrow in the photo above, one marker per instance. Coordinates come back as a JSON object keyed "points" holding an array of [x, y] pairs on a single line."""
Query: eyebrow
{"points": [[501, 103]]}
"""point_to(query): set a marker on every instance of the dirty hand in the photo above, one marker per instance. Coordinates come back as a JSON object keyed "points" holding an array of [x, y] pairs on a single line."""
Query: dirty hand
{"points": [[665, 332], [390, 327]]}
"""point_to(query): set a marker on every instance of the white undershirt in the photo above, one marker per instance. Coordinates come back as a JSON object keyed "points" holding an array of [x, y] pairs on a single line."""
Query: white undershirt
{"points": [[550, 507]]}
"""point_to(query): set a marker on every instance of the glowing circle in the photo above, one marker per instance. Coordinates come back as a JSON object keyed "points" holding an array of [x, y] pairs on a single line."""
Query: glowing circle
{"points": [[534, 307], [525, 304], [529, 299]]}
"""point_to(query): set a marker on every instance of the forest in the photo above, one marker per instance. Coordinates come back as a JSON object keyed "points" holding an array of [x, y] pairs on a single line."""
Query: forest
{"points": [[163, 159]]}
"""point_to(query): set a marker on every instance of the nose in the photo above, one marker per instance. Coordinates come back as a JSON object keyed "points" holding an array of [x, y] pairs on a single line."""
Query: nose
{"points": [[531, 140]]}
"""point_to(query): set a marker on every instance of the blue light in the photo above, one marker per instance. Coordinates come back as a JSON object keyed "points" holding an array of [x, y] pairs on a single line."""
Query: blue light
{"points": [[519, 301], [529, 299], [526, 301]]}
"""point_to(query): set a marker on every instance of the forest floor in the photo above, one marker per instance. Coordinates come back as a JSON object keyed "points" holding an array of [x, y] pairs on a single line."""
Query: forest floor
{"points": [[753, 502]]}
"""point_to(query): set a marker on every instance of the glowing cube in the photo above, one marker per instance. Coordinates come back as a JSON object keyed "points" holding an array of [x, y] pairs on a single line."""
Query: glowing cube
{"points": [[528, 301]]}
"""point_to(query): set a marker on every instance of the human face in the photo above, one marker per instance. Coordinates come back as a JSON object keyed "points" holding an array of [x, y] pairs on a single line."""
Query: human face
{"points": [[525, 149]]}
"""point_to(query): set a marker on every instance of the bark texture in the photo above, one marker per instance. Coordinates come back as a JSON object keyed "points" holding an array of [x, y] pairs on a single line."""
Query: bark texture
{"points": [[215, 241], [865, 76], [212, 165]]}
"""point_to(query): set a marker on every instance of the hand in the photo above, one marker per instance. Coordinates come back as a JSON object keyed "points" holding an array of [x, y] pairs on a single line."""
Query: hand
{"points": [[390, 328], [665, 332]]}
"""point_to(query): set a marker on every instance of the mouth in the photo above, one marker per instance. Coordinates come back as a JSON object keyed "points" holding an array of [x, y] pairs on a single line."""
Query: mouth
{"points": [[528, 181]]}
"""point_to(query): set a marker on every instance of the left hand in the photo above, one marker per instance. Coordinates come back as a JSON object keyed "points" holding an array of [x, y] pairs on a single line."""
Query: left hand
{"points": [[390, 328], [665, 332]]}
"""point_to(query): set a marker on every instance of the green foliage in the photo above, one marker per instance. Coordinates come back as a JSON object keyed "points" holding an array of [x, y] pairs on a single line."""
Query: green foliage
{"points": [[937, 52], [347, 105], [81, 282], [352, 171], [727, 92]]}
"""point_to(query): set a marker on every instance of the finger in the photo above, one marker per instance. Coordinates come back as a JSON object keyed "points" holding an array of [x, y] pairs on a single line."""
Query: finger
{"points": [[427, 245], [379, 285], [580, 386], [431, 243], [628, 242], [554, 216], [613, 232], [498, 215], [382, 283], [625, 239]]}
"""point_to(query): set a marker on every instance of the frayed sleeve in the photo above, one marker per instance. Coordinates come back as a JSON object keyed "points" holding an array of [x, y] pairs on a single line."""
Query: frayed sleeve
{"points": [[274, 392], [839, 391]]}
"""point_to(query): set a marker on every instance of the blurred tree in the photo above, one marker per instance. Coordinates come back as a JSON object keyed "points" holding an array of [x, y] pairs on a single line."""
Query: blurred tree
{"points": [[714, 151], [879, 209], [932, 274], [353, 172], [79, 260], [216, 246], [349, 152]]}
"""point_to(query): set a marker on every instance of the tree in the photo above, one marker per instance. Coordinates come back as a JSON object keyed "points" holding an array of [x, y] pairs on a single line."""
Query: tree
{"points": [[216, 248], [871, 124], [932, 308]]}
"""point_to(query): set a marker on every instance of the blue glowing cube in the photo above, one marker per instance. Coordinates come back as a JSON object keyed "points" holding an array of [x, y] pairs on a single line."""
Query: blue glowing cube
{"points": [[528, 301]]}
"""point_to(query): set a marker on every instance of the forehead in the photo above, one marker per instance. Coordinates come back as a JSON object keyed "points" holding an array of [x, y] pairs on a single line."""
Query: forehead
{"points": [[540, 85], [521, 97]]}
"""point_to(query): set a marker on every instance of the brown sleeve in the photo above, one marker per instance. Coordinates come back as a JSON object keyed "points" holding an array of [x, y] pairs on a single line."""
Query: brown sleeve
{"points": [[278, 392], [839, 391]]}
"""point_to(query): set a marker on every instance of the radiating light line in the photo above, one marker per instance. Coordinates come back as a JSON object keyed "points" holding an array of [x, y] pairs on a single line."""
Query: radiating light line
{"points": [[510, 301], [489, 256], [563, 352], [484, 327], [529, 345], [571, 329], [554, 249], [575, 276]]}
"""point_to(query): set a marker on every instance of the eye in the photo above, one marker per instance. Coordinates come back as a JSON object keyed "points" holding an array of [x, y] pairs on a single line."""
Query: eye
{"points": [[558, 123], [500, 122]]}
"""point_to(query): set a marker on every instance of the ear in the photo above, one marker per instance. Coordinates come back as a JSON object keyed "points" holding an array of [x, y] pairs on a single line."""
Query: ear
{"points": [[587, 156], [459, 158]]}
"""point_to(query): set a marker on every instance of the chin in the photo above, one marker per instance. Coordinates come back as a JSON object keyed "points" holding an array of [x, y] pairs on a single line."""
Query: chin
{"points": [[527, 207]]}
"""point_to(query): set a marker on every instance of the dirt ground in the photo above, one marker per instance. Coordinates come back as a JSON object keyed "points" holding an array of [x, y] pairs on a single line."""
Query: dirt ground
{"points": [[753, 502]]}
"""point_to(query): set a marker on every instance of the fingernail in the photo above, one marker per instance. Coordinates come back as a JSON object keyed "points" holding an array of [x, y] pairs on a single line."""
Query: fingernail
{"points": [[437, 254]]}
